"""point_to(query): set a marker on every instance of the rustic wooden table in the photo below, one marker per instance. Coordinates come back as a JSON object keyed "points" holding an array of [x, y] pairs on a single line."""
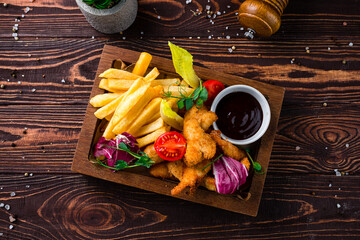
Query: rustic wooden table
{"points": [[48, 74]]}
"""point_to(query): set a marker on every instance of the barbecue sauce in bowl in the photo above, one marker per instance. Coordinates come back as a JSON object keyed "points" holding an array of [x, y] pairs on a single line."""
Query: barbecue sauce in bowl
{"points": [[240, 115]]}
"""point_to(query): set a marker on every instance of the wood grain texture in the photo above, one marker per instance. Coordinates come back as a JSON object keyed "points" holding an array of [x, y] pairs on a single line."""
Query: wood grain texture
{"points": [[312, 139], [79, 207], [301, 19]]}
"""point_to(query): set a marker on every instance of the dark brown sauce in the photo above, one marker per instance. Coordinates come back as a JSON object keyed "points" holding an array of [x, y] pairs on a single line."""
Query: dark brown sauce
{"points": [[239, 115]]}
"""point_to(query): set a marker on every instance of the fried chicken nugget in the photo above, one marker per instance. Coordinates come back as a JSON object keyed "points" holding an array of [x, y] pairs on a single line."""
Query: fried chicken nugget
{"points": [[192, 177], [150, 151], [200, 145], [227, 147]]}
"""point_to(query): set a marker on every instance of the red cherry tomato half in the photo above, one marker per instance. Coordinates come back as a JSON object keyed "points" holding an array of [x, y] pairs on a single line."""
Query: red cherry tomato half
{"points": [[213, 87], [170, 146]]}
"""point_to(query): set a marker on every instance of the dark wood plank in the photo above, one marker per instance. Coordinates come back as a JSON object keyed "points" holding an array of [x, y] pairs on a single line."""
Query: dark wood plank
{"points": [[79, 207], [301, 19], [313, 79]]}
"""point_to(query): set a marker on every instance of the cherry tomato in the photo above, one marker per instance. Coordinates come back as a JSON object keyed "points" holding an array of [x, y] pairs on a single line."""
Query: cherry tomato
{"points": [[213, 87], [170, 146]]}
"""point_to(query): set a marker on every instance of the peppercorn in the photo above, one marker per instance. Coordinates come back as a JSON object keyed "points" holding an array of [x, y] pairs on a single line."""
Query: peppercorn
{"points": [[2, 86], [13, 144]]}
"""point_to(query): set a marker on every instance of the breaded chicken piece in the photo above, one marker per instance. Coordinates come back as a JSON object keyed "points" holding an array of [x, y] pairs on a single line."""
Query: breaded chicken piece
{"points": [[150, 151], [175, 169], [192, 177], [227, 147], [160, 170], [200, 145]]}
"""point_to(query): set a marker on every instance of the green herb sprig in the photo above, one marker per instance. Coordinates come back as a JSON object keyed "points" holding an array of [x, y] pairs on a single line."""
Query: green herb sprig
{"points": [[212, 161], [143, 159], [257, 167], [198, 96]]}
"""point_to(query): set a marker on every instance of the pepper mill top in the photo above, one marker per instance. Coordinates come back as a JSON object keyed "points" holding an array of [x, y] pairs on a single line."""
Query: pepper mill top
{"points": [[261, 17]]}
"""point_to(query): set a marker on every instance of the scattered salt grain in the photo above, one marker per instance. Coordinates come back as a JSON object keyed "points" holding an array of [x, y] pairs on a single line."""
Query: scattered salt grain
{"points": [[241, 29], [297, 148], [92, 37], [63, 80], [351, 44], [337, 173], [124, 38], [27, 9], [236, 13], [338, 205], [1, 234], [14, 34], [2, 204], [19, 82], [158, 17], [33, 90], [329, 48], [335, 195], [330, 185], [228, 37], [11, 227], [12, 219], [230, 50], [207, 7], [218, 13], [190, 37], [7, 207], [347, 145], [31, 174], [188, 1], [12, 194], [307, 48], [27, 186], [142, 33], [209, 37], [23, 15], [226, 27]]}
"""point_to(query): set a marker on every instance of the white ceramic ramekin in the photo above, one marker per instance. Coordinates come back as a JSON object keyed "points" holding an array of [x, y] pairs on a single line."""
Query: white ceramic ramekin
{"points": [[263, 104]]}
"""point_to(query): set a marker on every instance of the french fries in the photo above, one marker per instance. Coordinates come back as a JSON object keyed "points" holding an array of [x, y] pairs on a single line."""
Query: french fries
{"points": [[152, 109], [119, 84], [133, 105], [120, 74], [136, 110], [151, 127], [142, 64], [103, 99], [150, 138]]}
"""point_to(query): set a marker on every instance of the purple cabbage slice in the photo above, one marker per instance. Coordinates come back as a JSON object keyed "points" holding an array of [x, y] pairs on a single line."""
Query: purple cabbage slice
{"points": [[111, 154], [229, 175]]}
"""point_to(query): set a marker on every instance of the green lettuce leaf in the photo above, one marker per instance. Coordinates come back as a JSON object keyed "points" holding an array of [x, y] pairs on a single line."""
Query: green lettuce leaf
{"points": [[183, 63]]}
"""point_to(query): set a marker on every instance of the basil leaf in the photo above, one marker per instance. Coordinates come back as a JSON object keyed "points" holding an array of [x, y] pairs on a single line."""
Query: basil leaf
{"points": [[196, 93], [204, 94], [120, 164], [181, 104], [123, 146], [143, 161], [188, 103]]}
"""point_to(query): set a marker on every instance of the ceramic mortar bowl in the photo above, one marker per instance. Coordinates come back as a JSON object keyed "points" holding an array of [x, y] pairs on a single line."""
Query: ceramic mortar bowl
{"points": [[264, 107], [111, 20]]}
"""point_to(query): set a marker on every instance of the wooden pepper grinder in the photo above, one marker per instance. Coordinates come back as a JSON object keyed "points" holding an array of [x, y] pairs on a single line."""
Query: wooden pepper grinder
{"points": [[261, 17]]}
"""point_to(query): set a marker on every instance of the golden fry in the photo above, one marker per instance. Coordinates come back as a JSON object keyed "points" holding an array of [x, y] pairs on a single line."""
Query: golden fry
{"points": [[120, 84], [136, 110], [109, 108], [120, 74], [150, 138], [151, 110], [142, 64], [151, 127], [103, 99]]}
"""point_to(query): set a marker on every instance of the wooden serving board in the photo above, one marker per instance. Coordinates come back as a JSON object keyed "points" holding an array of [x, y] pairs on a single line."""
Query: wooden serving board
{"points": [[81, 163]]}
